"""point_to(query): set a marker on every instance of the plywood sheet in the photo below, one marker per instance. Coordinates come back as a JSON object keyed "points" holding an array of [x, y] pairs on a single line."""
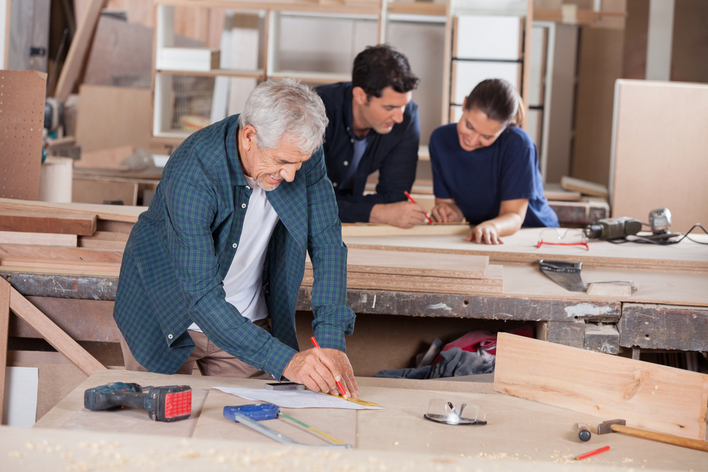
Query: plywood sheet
{"points": [[46, 222], [21, 124], [340, 424], [519, 433], [660, 151], [110, 117], [522, 247], [643, 394]]}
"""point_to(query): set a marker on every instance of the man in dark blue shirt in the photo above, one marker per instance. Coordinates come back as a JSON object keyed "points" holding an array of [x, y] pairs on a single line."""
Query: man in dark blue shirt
{"points": [[374, 126]]}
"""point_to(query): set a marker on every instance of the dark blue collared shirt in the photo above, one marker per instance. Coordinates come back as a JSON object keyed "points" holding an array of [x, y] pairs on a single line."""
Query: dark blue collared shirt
{"points": [[393, 155]]}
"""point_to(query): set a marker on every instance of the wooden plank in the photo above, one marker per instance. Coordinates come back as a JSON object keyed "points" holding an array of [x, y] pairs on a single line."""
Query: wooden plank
{"points": [[46, 222], [104, 240], [113, 213], [643, 394], [423, 264], [52, 333], [4, 333], [38, 239], [656, 326], [66, 254], [643, 178], [78, 48], [584, 187], [106, 269]]}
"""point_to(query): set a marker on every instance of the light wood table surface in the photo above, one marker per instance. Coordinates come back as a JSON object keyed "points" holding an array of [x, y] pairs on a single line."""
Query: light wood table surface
{"points": [[520, 434]]}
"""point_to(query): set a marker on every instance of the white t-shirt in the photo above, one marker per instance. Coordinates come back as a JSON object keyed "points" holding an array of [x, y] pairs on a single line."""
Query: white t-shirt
{"points": [[243, 282]]}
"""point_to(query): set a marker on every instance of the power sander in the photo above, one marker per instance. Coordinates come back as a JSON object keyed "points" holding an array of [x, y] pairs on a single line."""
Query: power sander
{"points": [[170, 403]]}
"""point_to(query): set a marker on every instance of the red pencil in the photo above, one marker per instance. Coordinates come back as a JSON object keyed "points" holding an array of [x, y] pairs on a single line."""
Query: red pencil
{"points": [[408, 196], [339, 386], [592, 453]]}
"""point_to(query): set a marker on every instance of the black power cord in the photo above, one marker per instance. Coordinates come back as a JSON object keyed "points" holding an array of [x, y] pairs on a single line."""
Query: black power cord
{"points": [[661, 239]]}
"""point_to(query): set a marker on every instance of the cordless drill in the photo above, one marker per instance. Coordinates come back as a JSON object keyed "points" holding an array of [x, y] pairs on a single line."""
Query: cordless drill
{"points": [[170, 403], [613, 228]]}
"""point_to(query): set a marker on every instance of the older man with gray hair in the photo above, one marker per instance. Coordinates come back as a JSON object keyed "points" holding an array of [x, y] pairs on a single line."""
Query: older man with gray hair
{"points": [[212, 270]]}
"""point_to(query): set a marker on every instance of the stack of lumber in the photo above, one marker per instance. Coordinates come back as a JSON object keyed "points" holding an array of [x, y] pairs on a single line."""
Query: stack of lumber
{"points": [[63, 238], [418, 272]]}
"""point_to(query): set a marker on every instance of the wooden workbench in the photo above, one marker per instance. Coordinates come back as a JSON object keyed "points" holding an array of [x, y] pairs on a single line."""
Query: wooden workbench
{"points": [[669, 311], [520, 434]]}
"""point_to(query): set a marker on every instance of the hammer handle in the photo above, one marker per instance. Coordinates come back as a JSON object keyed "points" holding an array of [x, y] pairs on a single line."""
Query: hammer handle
{"points": [[662, 437]]}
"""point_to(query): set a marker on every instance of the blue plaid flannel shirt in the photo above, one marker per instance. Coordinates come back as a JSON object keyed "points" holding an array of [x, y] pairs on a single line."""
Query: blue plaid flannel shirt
{"points": [[181, 248]]}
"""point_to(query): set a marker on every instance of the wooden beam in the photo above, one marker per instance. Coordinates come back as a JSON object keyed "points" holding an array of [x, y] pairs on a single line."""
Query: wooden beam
{"points": [[31, 221], [643, 394], [77, 51], [54, 335], [38, 239], [4, 331]]}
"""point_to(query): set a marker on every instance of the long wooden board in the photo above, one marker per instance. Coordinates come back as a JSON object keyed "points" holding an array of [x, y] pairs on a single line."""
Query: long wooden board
{"points": [[521, 247], [77, 255], [646, 395], [128, 214], [420, 263], [46, 222], [38, 239], [492, 283]]}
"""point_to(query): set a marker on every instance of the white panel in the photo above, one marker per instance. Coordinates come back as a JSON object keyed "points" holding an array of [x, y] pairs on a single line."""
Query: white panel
{"points": [[537, 65], [534, 124], [4, 31], [469, 74], [488, 37], [456, 113], [21, 386], [660, 34]]}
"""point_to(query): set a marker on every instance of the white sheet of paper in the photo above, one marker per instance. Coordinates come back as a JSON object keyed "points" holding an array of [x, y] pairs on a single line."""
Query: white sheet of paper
{"points": [[296, 399]]}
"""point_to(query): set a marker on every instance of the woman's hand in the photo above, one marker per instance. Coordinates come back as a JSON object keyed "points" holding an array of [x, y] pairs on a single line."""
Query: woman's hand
{"points": [[485, 232], [511, 217], [446, 211]]}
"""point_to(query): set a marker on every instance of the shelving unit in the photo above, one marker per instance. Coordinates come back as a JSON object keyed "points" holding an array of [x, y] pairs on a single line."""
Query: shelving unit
{"points": [[270, 11], [485, 40]]}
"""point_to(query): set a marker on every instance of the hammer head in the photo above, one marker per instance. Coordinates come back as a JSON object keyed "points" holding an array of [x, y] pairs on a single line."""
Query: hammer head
{"points": [[606, 426]]}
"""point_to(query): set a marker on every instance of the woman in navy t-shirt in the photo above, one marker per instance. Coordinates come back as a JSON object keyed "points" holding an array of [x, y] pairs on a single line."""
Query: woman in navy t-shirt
{"points": [[485, 168]]}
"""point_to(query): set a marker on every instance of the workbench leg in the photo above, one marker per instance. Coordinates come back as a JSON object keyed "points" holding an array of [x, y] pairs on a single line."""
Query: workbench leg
{"points": [[569, 333], [636, 351], [4, 332]]}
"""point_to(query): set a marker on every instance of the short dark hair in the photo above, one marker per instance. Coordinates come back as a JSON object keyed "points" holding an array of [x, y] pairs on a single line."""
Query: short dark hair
{"points": [[378, 67], [499, 100]]}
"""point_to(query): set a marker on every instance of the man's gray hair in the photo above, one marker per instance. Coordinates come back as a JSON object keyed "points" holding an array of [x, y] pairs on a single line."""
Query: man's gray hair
{"points": [[285, 108]]}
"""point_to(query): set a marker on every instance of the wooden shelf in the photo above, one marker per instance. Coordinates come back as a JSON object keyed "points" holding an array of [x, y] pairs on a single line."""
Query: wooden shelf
{"points": [[311, 76], [417, 8], [584, 17], [254, 74]]}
